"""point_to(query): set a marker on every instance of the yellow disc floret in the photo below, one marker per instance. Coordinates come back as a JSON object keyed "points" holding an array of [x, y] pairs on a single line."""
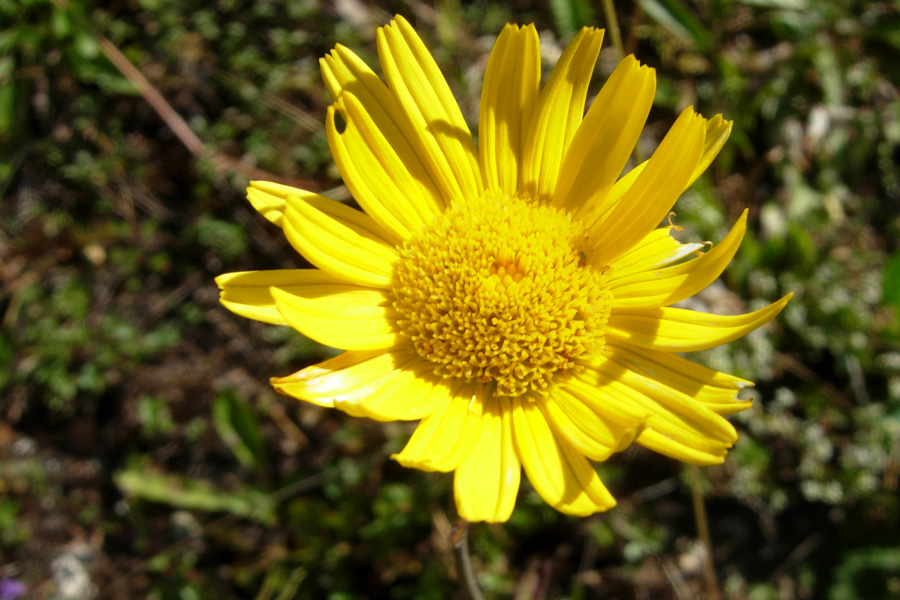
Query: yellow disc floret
{"points": [[497, 290]]}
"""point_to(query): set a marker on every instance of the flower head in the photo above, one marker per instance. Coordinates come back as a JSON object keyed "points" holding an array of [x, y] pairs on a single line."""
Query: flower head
{"points": [[515, 295]]}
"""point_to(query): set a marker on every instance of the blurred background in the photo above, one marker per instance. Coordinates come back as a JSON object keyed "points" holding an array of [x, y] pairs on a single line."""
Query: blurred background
{"points": [[142, 453]]}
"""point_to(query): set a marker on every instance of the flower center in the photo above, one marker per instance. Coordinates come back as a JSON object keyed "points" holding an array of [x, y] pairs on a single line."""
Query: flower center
{"points": [[497, 290]]}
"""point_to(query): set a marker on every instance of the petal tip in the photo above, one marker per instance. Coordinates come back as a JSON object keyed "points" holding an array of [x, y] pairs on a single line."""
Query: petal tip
{"points": [[782, 302], [279, 294], [221, 279]]}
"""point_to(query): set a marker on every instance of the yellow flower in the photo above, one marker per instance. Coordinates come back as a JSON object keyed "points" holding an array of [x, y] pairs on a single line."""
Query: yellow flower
{"points": [[513, 295]]}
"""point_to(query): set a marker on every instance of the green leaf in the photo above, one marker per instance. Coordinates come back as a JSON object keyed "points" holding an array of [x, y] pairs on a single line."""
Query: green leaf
{"points": [[61, 24], [571, 15], [228, 239], [888, 30], [890, 287], [97, 69], [86, 46], [780, 4], [675, 18], [237, 426], [9, 40], [866, 574], [147, 483], [830, 75], [8, 110]]}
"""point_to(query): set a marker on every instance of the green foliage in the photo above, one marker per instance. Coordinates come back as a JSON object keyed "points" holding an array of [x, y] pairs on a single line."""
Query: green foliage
{"points": [[66, 353], [867, 574], [135, 410], [145, 483], [572, 15], [891, 277], [679, 20], [154, 416], [12, 531], [228, 240], [239, 429]]}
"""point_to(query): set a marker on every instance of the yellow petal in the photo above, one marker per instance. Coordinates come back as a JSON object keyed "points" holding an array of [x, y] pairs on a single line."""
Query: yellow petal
{"points": [[563, 477], [377, 177], [717, 132], [654, 191], [350, 370], [342, 72], [408, 393], [385, 386], [657, 249], [247, 293], [659, 399], [715, 135], [717, 391], [679, 330], [341, 315], [339, 73], [270, 198], [428, 104], [445, 438], [623, 417], [559, 113], [598, 210], [487, 481], [607, 135], [345, 242], [584, 429], [616, 394], [681, 449], [508, 99], [667, 286]]}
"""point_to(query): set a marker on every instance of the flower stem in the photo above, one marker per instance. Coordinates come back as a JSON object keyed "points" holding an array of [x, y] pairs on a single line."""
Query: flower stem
{"points": [[613, 23], [459, 539], [709, 568]]}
